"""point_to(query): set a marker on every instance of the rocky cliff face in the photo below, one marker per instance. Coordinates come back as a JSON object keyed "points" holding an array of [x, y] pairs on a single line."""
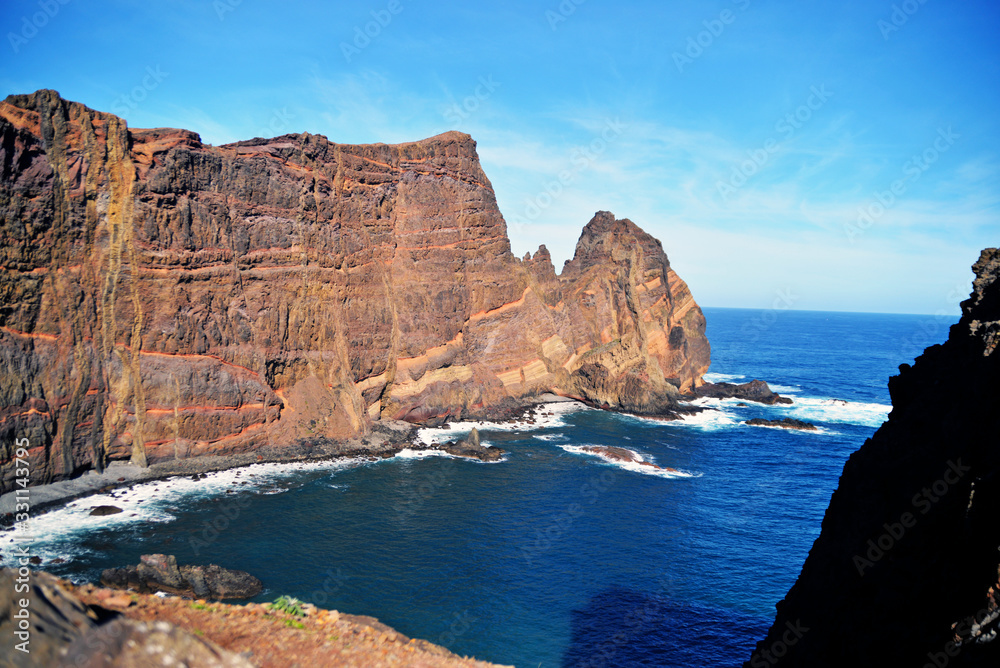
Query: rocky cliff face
{"points": [[905, 571], [161, 298]]}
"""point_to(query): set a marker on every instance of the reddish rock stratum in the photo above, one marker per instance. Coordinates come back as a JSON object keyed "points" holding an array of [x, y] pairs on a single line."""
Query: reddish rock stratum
{"points": [[161, 298]]}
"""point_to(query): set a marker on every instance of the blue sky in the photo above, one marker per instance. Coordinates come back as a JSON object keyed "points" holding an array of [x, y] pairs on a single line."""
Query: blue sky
{"points": [[830, 156]]}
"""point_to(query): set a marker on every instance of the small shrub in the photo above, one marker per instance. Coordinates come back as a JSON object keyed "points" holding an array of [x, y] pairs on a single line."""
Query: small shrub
{"points": [[288, 605]]}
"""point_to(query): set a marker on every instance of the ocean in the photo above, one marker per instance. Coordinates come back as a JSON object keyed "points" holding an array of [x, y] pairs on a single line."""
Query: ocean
{"points": [[553, 556]]}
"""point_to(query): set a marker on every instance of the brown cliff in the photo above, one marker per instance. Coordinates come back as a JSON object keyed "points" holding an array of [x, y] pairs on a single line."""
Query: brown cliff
{"points": [[906, 570], [161, 298]]}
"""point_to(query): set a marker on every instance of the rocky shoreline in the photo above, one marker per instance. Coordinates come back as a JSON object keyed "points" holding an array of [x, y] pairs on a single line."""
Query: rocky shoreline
{"points": [[386, 439]]}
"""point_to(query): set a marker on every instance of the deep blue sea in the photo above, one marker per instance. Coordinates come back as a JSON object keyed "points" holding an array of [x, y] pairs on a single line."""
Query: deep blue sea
{"points": [[552, 557]]}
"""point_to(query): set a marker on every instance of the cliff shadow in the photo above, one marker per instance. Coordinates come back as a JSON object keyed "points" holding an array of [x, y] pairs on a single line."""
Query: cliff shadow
{"points": [[621, 627]]}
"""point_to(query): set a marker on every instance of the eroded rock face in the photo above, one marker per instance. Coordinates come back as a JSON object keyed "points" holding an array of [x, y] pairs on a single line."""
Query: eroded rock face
{"points": [[905, 571], [161, 298]]}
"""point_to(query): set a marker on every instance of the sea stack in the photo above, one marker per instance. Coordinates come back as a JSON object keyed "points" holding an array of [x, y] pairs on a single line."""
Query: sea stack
{"points": [[164, 298]]}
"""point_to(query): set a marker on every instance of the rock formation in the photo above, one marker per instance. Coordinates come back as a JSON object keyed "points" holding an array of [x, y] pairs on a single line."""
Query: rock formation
{"points": [[160, 572], [755, 390], [161, 298], [783, 423], [471, 448], [623, 455], [906, 570]]}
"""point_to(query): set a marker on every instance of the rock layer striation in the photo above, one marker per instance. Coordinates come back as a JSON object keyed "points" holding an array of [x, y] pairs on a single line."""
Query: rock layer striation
{"points": [[161, 298]]}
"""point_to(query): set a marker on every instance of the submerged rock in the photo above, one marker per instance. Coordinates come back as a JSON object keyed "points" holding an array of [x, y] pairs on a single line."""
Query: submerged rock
{"points": [[102, 511], [784, 423], [623, 455]]}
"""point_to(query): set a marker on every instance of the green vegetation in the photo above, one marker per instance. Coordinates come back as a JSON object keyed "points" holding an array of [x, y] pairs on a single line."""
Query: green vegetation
{"points": [[289, 605]]}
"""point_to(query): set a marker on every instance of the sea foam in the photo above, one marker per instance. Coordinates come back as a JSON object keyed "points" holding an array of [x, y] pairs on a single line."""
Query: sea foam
{"points": [[59, 532], [839, 411], [635, 467], [543, 416], [723, 377]]}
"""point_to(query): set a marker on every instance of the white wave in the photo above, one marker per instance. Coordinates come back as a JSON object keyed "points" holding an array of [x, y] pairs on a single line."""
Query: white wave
{"points": [[716, 416], [549, 438], [810, 409], [634, 466], [839, 411], [818, 431], [59, 532], [784, 389], [722, 377], [409, 453], [543, 416]]}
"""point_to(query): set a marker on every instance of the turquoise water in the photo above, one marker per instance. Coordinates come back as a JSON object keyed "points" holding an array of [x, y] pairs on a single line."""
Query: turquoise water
{"points": [[552, 557]]}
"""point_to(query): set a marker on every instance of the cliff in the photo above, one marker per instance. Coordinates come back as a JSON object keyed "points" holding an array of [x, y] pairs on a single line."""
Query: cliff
{"points": [[905, 571], [161, 298], [84, 625]]}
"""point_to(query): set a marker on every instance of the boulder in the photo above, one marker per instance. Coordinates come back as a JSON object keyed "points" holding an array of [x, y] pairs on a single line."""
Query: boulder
{"points": [[160, 572], [755, 390], [103, 511]]}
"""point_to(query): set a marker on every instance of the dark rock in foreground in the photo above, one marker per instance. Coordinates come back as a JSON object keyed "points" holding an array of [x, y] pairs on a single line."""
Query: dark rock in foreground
{"points": [[755, 390], [159, 572], [83, 626], [61, 618], [126, 642], [471, 448], [906, 571], [784, 423]]}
